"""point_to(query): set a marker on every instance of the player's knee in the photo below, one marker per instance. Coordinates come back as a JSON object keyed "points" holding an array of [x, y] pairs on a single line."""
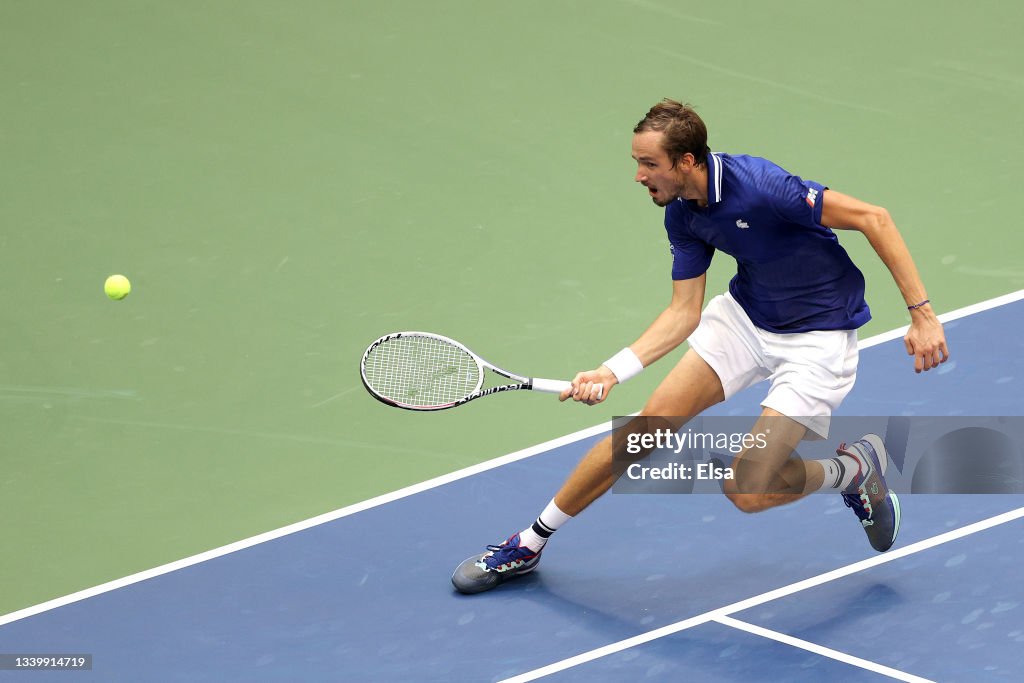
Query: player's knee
{"points": [[747, 502], [744, 502]]}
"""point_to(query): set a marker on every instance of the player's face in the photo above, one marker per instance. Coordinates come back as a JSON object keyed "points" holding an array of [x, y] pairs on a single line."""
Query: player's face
{"points": [[654, 171]]}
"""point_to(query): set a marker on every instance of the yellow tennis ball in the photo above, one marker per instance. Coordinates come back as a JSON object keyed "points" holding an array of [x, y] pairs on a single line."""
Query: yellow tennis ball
{"points": [[117, 287]]}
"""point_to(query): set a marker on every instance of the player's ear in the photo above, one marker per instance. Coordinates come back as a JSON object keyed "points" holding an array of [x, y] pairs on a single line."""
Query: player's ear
{"points": [[686, 161]]}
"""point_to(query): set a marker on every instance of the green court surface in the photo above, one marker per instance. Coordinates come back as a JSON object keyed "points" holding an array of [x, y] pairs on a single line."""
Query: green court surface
{"points": [[285, 182]]}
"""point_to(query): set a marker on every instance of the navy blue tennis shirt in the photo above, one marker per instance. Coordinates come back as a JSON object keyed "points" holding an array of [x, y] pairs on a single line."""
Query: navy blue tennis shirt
{"points": [[792, 274]]}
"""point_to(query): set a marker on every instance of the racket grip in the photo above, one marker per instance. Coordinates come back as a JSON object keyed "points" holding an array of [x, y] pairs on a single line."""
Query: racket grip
{"points": [[550, 386], [557, 386]]}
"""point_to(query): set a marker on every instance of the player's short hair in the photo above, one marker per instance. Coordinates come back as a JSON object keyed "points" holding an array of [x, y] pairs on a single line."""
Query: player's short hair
{"points": [[684, 130]]}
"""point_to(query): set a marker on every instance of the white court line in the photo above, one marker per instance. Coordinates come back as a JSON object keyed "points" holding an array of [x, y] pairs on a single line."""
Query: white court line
{"points": [[947, 317], [305, 524], [412, 490], [822, 650], [785, 591]]}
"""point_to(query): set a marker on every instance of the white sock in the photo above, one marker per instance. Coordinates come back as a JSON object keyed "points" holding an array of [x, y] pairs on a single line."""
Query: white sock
{"points": [[536, 536], [840, 471]]}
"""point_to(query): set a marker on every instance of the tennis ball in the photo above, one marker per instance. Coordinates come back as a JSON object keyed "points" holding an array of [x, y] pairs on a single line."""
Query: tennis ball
{"points": [[117, 287]]}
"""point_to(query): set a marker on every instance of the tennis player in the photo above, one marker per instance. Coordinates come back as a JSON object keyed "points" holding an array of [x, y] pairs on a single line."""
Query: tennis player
{"points": [[789, 316]]}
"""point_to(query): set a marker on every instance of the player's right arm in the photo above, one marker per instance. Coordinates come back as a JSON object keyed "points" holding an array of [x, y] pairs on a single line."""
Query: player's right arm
{"points": [[670, 329], [676, 322]]}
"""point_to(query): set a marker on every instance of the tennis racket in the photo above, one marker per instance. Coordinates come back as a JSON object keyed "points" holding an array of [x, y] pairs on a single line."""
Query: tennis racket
{"points": [[424, 371]]}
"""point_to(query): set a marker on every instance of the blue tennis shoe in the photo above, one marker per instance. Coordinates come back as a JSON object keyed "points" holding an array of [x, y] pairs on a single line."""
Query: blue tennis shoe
{"points": [[499, 564], [877, 508]]}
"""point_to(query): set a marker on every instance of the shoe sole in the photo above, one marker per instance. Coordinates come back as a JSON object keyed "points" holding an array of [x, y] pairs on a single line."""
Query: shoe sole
{"points": [[894, 499]]}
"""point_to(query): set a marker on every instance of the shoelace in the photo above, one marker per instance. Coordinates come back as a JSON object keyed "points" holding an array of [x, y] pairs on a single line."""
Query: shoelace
{"points": [[859, 501], [504, 554], [501, 548], [861, 506]]}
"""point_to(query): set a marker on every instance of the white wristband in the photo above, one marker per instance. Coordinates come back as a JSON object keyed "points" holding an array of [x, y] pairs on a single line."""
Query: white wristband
{"points": [[624, 365]]}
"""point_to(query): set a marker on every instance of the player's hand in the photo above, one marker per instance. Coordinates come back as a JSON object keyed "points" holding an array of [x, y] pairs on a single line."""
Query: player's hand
{"points": [[585, 388], [926, 341]]}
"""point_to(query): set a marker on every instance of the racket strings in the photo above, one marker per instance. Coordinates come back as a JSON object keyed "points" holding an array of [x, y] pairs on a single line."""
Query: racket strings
{"points": [[421, 371]]}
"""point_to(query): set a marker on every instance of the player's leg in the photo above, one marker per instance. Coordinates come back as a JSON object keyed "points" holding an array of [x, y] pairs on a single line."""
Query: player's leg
{"points": [[811, 373], [691, 387], [722, 360], [814, 373], [769, 473]]}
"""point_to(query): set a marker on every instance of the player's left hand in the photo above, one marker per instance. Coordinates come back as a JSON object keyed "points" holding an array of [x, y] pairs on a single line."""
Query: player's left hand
{"points": [[926, 341]]}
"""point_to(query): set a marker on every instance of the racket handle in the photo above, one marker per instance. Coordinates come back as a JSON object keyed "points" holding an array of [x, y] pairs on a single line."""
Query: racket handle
{"points": [[557, 386]]}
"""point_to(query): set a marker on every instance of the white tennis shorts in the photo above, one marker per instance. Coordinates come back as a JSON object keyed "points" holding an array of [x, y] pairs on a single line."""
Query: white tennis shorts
{"points": [[810, 372]]}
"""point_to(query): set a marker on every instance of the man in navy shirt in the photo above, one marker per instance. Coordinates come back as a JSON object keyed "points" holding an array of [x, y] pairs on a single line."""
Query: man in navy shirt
{"points": [[790, 316]]}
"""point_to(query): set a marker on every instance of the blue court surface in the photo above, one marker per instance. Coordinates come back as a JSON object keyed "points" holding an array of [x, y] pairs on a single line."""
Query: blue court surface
{"points": [[640, 587]]}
